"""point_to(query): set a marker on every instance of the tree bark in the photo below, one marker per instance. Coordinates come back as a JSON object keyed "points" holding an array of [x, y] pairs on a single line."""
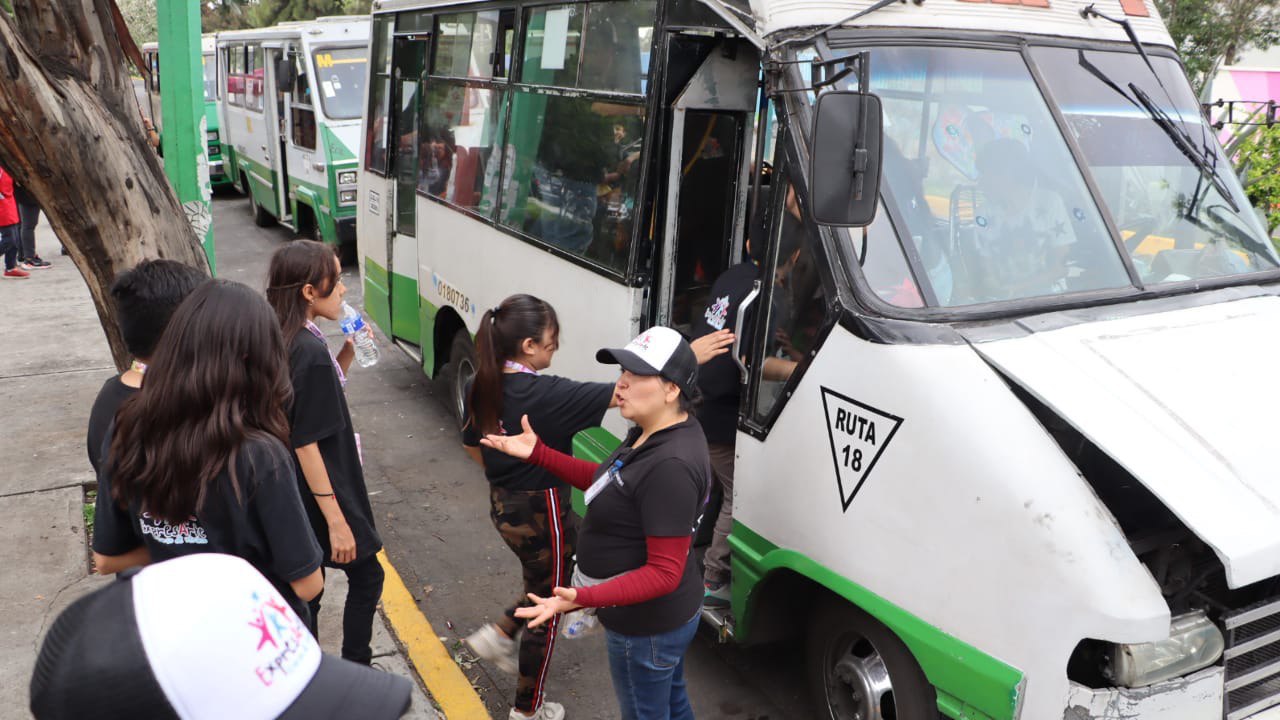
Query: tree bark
{"points": [[71, 133]]}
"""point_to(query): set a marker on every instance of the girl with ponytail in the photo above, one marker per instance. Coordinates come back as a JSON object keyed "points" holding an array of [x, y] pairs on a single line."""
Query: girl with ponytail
{"points": [[529, 505]]}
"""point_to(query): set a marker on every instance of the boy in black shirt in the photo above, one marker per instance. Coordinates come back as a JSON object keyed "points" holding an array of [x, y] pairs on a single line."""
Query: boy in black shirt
{"points": [[145, 296]]}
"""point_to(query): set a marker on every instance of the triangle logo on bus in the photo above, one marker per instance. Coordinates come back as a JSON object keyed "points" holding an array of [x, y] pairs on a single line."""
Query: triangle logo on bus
{"points": [[859, 434]]}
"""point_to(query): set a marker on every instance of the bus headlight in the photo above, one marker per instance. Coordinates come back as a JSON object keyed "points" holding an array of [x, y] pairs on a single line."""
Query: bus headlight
{"points": [[211, 135], [1194, 643], [347, 177], [347, 197]]}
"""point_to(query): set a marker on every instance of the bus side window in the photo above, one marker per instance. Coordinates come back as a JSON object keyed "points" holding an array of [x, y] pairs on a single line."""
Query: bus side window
{"points": [[255, 77], [235, 75], [302, 113], [375, 146], [574, 170]]}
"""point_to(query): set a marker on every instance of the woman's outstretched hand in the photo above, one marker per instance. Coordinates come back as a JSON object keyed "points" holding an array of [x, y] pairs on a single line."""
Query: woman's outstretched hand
{"points": [[517, 446], [543, 609]]}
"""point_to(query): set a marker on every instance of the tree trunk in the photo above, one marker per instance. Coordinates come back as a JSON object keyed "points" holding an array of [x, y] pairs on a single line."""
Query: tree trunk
{"points": [[71, 133]]}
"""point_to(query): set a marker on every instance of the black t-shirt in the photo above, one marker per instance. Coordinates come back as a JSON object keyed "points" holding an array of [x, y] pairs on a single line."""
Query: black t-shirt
{"points": [[663, 493], [265, 524], [319, 415], [110, 397], [719, 378], [558, 409]]}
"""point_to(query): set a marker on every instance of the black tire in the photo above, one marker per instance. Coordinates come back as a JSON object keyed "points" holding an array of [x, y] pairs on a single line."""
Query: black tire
{"points": [[859, 670], [457, 373], [261, 218]]}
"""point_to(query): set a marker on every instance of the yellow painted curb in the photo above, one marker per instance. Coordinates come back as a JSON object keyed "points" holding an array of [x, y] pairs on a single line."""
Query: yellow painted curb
{"points": [[442, 676]]}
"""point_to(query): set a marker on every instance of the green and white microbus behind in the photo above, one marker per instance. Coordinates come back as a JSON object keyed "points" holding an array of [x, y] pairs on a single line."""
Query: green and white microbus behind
{"points": [[212, 111], [291, 121], [1025, 464]]}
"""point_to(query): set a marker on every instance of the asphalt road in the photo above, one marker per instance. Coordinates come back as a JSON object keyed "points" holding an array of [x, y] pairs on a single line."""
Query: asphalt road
{"points": [[431, 504]]}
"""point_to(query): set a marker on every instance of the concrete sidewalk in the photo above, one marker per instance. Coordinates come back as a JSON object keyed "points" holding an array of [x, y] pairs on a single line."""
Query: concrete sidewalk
{"points": [[51, 369]]}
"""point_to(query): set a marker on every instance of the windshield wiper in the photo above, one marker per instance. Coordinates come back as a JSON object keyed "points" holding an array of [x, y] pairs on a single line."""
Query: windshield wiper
{"points": [[1206, 163], [1199, 157]]}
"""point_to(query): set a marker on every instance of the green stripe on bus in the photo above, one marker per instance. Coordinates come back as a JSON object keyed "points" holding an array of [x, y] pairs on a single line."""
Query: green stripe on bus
{"points": [[338, 150], [989, 687], [405, 320], [594, 445], [377, 295]]}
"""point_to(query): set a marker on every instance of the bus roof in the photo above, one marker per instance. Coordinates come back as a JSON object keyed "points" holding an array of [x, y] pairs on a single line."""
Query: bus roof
{"points": [[323, 30], [1052, 18]]}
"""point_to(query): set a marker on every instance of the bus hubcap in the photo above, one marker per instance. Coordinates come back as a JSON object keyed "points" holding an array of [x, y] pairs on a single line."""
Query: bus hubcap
{"points": [[858, 686]]}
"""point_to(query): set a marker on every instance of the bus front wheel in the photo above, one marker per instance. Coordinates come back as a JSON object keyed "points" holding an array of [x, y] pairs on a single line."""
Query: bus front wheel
{"points": [[859, 670], [261, 217], [457, 374]]}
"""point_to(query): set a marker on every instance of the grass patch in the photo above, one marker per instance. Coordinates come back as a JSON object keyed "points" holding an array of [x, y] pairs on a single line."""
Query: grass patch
{"points": [[90, 504]]}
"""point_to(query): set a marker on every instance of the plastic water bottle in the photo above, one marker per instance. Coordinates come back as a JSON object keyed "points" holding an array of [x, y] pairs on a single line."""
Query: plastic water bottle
{"points": [[354, 327], [578, 623]]}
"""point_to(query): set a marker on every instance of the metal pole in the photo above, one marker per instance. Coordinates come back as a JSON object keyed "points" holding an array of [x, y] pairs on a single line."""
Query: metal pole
{"points": [[184, 142]]}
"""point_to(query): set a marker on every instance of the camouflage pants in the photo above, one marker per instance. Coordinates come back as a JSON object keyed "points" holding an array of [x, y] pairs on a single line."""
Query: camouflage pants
{"points": [[539, 528]]}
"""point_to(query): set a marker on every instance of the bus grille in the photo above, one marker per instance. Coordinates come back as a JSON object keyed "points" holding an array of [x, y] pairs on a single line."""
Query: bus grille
{"points": [[1252, 659]]}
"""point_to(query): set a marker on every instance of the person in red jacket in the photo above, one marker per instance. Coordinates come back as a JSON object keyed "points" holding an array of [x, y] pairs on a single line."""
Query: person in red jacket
{"points": [[9, 226]]}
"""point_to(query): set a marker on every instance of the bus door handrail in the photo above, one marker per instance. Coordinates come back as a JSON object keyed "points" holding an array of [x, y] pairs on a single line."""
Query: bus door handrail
{"points": [[737, 328]]}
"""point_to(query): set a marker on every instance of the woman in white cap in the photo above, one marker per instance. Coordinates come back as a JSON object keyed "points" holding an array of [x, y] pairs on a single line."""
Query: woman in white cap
{"points": [[644, 504]]}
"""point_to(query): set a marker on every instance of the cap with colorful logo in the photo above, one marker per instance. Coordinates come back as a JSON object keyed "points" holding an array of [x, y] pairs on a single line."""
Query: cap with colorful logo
{"points": [[658, 351], [201, 637]]}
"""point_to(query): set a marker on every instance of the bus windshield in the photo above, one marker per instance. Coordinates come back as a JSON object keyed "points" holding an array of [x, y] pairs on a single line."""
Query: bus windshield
{"points": [[340, 80], [981, 187], [210, 77], [1176, 223], [985, 202]]}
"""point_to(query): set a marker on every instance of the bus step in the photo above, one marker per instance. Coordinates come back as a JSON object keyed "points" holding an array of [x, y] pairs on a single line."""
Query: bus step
{"points": [[410, 349], [721, 620]]}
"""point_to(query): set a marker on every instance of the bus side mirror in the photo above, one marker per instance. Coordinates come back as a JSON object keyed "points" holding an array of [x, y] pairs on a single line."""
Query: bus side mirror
{"points": [[284, 75], [844, 179]]}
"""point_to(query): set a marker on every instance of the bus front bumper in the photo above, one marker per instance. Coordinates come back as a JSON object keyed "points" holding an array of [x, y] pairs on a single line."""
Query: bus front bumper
{"points": [[1195, 697], [216, 174]]}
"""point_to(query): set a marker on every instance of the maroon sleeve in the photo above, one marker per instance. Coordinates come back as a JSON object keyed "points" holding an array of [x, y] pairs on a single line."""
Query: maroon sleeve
{"points": [[577, 473], [660, 575]]}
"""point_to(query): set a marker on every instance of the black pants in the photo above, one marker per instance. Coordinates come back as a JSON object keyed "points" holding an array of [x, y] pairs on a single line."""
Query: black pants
{"points": [[364, 588], [30, 215]]}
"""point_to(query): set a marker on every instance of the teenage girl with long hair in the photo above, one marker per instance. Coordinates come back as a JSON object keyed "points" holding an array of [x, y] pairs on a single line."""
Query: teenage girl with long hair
{"points": [[196, 460], [529, 506], [304, 283]]}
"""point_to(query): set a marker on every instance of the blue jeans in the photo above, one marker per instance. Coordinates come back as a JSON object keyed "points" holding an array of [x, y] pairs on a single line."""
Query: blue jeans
{"points": [[648, 673]]}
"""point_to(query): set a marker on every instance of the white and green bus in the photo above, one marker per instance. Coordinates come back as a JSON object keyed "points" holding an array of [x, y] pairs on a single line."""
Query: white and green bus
{"points": [[212, 111], [1024, 466], [293, 96]]}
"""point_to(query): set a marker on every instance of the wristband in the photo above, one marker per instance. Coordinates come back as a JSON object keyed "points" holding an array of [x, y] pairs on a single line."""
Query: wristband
{"points": [[316, 494]]}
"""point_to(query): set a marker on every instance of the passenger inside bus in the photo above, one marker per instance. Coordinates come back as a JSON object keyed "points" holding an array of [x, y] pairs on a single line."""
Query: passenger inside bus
{"points": [[1022, 233]]}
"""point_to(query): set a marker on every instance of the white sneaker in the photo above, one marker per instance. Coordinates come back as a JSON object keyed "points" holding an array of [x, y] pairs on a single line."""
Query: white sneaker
{"points": [[548, 711], [490, 644]]}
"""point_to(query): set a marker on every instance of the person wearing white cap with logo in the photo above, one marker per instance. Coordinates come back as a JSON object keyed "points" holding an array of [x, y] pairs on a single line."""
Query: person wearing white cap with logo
{"points": [[201, 637], [644, 504]]}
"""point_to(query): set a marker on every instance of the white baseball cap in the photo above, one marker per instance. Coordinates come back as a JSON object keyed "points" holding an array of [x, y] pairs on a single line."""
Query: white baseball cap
{"points": [[201, 637], [658, 351]]}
